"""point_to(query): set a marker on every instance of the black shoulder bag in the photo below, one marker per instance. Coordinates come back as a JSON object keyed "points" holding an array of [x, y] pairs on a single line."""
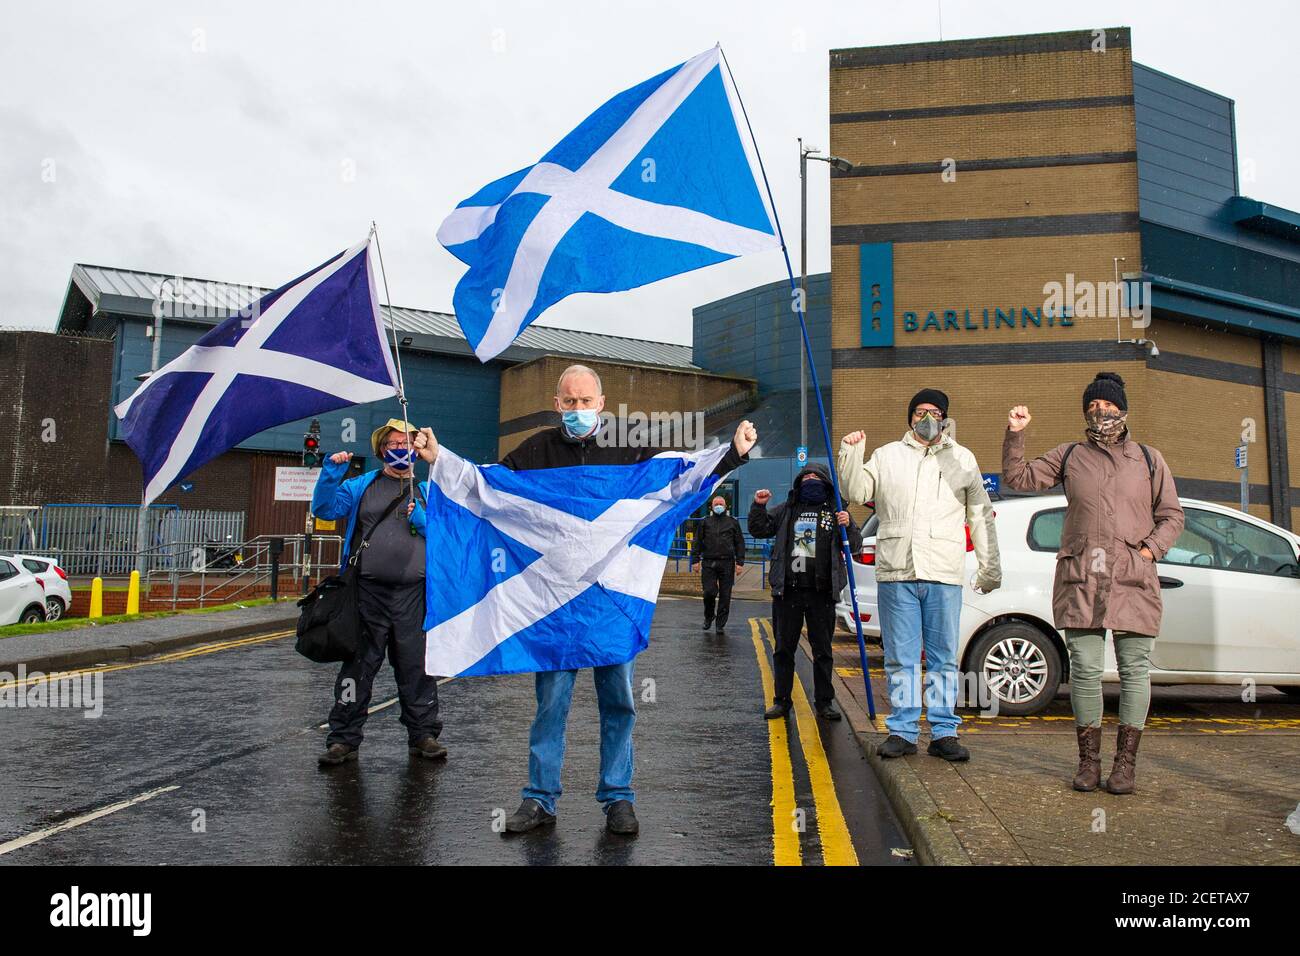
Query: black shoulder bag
{"points": [[329, 626]]}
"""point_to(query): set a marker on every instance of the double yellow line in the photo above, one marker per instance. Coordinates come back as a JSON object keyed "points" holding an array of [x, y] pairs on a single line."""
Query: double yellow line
{"points": [[837, 844]]}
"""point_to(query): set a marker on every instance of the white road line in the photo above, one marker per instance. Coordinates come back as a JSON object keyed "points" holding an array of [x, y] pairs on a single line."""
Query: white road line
{"points": [[385, 705], [39, 835]]}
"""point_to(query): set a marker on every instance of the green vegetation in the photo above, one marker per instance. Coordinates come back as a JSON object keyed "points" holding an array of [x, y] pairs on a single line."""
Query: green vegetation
{"points": [[72, 623]]}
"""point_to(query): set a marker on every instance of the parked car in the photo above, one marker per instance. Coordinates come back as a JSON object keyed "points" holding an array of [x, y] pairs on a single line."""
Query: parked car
{"points": [[58, 593], [1231, 589], [22, 596]]}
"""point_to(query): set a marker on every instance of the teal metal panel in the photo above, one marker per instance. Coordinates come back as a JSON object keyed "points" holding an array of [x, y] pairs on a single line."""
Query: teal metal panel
{"points": [[876, 278]]}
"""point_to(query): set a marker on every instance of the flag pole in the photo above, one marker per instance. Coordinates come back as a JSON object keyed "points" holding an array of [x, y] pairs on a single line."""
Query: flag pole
{"points": [[821, 410], [397, 353]]}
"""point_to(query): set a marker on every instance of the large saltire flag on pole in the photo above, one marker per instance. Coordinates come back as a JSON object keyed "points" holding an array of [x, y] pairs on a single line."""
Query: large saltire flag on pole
{"points": [[551, 569], [309, 347], [657, 182]]}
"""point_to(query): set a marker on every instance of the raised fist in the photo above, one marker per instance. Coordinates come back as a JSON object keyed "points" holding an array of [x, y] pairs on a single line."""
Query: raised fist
{"points": [[852, 438], [339, 457], [1018, 418], [762, 496]]}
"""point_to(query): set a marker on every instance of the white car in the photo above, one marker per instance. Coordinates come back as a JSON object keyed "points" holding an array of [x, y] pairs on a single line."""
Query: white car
{"points": [[58, 593], [22, 596], [1231, 590]]}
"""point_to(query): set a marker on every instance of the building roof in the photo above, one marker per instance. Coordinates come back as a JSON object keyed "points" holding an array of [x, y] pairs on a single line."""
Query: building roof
{"points": [[94, 289]]}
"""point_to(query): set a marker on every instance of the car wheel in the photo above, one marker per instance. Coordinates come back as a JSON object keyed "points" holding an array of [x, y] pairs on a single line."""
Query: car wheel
{"points": [[53, 609], [1289, 691], [1020, 665], [33, 615]]}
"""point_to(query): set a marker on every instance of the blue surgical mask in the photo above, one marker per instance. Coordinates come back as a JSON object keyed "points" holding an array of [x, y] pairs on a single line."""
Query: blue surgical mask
{"points": [[399, 459], [581, 421], [719, 509]]}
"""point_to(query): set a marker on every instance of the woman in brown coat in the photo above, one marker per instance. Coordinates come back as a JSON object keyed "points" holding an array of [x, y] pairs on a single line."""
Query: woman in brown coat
{"points": [[1123, 515]]}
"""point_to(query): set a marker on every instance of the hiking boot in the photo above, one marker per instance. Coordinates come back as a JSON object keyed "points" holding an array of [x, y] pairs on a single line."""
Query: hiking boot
{"points": [[1123, 775], [828, 711], [708, 623], [948, 749], [336, 754], [429, 747], [896, 746], [777, 711], [529, 816], [1088, 776], [620, 818]]}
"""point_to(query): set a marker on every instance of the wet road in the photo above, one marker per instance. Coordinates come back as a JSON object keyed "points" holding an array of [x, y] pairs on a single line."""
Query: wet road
{"points": [[209, 756]]}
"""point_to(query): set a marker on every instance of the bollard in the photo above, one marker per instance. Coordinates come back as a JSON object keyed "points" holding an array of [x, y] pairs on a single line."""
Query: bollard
{"points": [[133, 594], [96, 598]]}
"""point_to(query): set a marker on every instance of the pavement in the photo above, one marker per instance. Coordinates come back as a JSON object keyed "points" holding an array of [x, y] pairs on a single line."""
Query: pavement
{"points": [[208, 755], [1217, 779]]}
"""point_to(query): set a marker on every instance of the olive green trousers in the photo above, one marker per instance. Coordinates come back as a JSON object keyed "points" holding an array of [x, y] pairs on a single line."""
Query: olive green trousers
{"points": [[1087, 649]]}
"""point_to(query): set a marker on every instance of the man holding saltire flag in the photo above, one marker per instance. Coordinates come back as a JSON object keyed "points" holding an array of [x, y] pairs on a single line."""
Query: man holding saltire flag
{"points": [[550, 562]]}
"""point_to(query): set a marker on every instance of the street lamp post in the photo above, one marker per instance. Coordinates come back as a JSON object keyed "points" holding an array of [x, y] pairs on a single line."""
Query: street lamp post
{"points": [[843, 165], [142, 519]]}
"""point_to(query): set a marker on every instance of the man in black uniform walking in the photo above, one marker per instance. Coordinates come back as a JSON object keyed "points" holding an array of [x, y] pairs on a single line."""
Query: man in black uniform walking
{"points": [[720, 545]]}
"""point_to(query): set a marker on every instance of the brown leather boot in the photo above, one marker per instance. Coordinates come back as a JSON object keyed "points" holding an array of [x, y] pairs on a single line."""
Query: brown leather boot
{"points": [[1123, 774], [1088, 777]]}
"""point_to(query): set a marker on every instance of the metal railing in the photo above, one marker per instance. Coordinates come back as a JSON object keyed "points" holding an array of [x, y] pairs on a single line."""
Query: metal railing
{"points": [[233, 571]]}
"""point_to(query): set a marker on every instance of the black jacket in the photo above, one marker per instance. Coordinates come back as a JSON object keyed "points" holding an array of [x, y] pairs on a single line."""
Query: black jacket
{"points": [[778, 523], [556, 448], [718, 538]]}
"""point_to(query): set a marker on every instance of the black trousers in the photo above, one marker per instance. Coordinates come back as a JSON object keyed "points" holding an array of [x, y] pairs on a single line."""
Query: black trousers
{"points": [[717, 577], [790, 612], [392, 621]]}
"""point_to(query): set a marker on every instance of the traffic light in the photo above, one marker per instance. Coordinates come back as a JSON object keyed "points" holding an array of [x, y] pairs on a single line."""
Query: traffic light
{"points": [[312, 456]]}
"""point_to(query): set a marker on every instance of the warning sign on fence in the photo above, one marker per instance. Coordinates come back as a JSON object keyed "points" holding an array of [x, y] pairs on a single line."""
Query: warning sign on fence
{"points": [[295, 484]]}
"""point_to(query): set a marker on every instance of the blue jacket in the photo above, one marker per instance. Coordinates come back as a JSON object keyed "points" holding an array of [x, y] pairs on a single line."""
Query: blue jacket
{"points": [[333, 500]]}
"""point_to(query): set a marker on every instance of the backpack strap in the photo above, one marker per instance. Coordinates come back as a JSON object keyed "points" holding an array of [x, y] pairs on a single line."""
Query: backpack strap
{"points": [[1066, 457]]}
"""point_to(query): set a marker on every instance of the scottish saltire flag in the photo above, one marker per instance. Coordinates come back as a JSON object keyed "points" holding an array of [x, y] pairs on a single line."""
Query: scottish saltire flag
{"points": [[658, 181], [311, 346], [552, 569]]}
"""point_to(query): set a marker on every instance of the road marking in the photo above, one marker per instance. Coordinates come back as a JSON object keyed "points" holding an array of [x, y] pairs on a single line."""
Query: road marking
{"points": [[39, 835], [385, 705], [160, 659], [837, 845], [785, 839]]}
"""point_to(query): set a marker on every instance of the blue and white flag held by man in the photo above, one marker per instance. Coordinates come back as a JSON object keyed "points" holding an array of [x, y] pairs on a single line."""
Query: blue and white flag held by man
{"points": [[657, 182], [551, 569], [311, 346]]}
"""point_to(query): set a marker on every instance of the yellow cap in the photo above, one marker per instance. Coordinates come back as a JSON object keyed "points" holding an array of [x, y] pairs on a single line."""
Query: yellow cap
{"points": [[392, 425]]}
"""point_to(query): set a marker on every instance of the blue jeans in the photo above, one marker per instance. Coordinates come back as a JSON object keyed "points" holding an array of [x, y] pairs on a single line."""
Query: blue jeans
{"points": [[913, 614], [546, 739]]}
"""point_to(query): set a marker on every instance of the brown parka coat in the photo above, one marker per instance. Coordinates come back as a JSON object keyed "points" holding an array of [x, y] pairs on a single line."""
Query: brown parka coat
{"points": [[1116, 507]]}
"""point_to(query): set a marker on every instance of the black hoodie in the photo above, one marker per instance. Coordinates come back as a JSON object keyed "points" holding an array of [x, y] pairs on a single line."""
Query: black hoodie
{"points": [[778, 523]]}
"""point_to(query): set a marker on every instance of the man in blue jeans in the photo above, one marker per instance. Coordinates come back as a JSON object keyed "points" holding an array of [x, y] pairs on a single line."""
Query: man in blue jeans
{"points": [[929, 495], [578, 440]]}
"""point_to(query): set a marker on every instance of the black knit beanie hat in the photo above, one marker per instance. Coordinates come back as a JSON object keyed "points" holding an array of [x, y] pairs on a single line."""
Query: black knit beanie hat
{"points": [[931, 396], [1108, 386]]}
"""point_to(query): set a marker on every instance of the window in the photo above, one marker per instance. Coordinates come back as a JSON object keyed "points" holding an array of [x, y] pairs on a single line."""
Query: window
{"points": [[1214, 540], [36, 567], [7, 570], [1045, 530]]}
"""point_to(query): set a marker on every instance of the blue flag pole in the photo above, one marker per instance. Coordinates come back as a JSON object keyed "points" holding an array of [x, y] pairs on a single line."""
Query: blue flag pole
{"points": [[797, 297]]}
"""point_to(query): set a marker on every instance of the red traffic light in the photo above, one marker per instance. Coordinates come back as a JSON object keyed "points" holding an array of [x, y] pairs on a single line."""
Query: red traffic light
{"points": [[311, 442]]}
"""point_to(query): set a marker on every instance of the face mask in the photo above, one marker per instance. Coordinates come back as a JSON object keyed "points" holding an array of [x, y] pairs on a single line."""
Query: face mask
{"points": [[399, 459], [580, 421], [813, 492], [1106, 427], [719, 509], [928, 428]]}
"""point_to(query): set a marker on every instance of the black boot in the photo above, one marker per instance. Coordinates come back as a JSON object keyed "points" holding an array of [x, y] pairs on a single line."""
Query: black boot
{"points": [[529, 816], [828, 711], [896, 746], [336, 754], [428, 747], [620, 818], [777, 711]]}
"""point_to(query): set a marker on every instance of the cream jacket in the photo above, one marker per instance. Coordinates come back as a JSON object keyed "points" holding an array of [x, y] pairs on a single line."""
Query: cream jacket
{"points": [[925, 498]]}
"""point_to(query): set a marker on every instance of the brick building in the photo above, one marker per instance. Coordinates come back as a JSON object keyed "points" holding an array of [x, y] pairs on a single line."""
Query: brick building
{"points": [[987, 170]]}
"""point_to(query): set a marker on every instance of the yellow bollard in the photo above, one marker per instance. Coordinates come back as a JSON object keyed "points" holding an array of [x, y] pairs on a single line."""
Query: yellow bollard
{"points": [[96, 598], [133, 594]]}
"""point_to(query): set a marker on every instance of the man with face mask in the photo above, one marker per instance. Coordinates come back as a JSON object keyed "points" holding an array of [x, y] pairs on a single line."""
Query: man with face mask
{"points": [[385, 521], [1122, 516], [579, 440], [719, 544], [807, 576], [928, 492]]}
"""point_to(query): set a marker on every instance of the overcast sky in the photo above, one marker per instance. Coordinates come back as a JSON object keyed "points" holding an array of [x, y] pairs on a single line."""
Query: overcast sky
{"points": [[249, 141]]}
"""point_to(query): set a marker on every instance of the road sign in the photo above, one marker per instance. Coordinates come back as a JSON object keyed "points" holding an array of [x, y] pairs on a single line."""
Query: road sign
{"points": [[295, 484], [801, 454], [992, 483], [1241, 456]]}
